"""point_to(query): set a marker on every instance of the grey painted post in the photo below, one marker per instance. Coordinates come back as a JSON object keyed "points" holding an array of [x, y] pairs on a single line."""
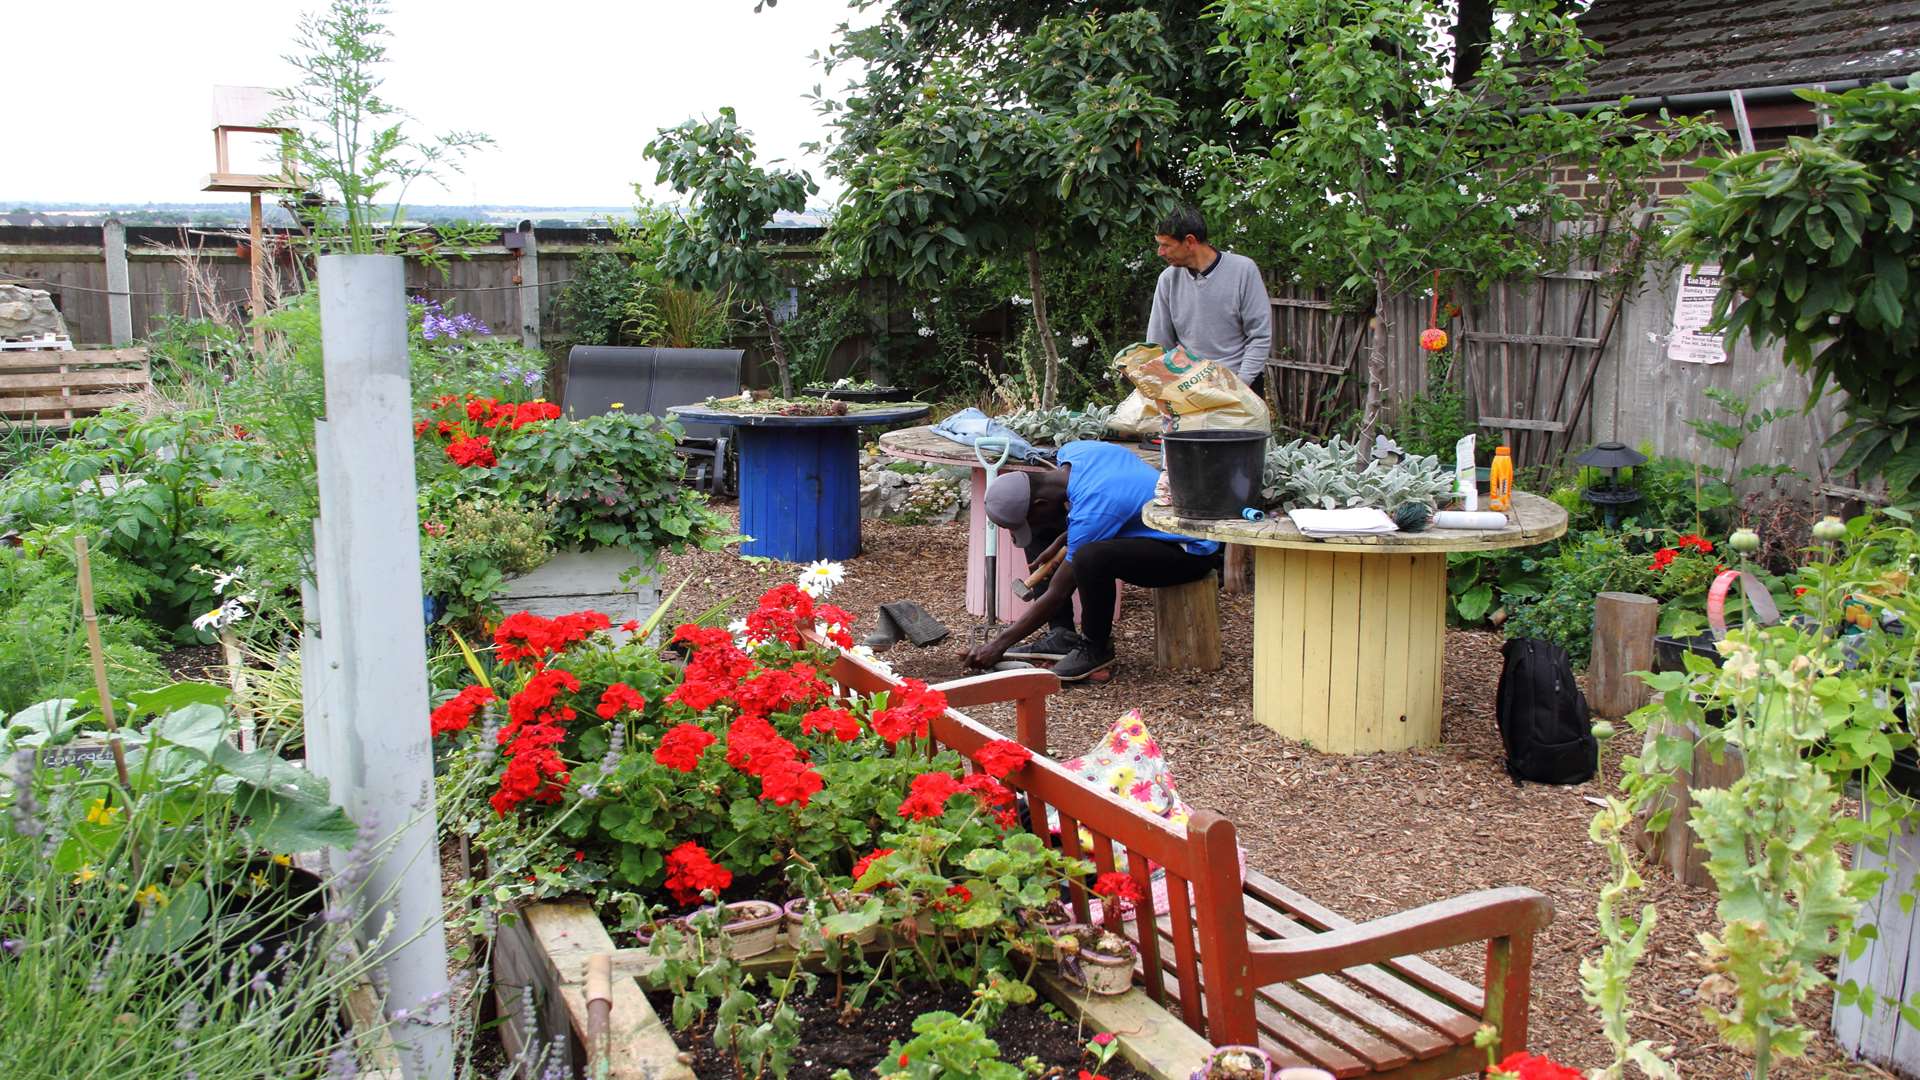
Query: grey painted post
{"points": [[367, 574], [119, 295], [527, 267]]}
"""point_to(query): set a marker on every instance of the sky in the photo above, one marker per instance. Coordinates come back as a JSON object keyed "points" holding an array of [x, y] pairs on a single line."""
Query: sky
{"points": [[114, 104]]}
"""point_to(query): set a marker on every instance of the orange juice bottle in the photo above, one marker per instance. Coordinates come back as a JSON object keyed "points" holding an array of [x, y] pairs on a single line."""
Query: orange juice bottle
{"points": [[1500, 481]]}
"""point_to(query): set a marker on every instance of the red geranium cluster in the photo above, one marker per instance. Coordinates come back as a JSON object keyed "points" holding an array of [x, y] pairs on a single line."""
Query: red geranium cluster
{"points": [[680, 748], [1001, 757], [1525, 1066], [1690, 542], [866, 861], [461, 421], [929, 793], [786, 776], [839, 723], [619, 696], [690, 871], [458, 714], [1117, 887], [909, 710], [784, 611], [713, 674], [526, 636], [474, 453], [535, 771]]}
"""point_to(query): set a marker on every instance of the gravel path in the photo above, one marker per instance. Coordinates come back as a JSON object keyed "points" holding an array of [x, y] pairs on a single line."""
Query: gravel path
{"points": [[1366, 835]]}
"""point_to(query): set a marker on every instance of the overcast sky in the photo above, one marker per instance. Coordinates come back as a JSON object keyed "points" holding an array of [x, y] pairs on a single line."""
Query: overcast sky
{"points": [[113, 97]]}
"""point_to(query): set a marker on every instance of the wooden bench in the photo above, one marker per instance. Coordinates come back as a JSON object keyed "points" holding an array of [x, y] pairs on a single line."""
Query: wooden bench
{"points": [[1279, 969], [1186, 625], [51, 388]]}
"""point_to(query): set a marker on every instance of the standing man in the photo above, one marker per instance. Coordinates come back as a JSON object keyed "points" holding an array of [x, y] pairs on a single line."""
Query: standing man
{"points": [[1212, 302], [1093, 502]]}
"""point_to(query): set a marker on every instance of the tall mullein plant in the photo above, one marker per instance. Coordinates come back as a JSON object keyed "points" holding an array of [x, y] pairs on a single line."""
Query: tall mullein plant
{"points": [[352, 145]]}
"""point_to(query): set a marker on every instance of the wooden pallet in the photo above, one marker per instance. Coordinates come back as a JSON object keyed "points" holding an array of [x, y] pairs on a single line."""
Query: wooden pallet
{"points": [[51, 388]]}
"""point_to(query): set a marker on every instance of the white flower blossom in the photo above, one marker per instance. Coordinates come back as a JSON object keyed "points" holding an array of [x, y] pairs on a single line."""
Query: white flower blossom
{"points": [[925, 331], [1079, 341], [866, 653], [231, 611], [1021, 301], [819, 578]]}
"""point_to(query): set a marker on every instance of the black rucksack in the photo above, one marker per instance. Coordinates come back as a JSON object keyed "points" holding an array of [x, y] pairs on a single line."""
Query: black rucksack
{"points": [[1543, 716]]}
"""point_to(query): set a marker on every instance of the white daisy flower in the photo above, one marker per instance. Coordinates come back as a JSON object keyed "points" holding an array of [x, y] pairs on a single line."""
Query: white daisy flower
{"points": [[865, 652], [1079, 341], [819, 578]]}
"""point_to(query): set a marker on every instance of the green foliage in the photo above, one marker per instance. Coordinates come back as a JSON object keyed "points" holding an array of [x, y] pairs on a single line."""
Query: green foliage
{"points": [[610, 481], [1816, 243], [829, 315], [595, 306], [1431, 423], [1324, 476], [1041, 153], [43, 649], [191, 354], [141, 488], [1394, 169], [352, 144], [1479, 583], [1560, 608], [472, 544], [717, 244]]}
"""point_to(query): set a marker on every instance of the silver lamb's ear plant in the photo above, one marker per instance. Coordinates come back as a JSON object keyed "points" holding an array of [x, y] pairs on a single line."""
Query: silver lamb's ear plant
{"points": [[1323, 475], [1059, 426]]}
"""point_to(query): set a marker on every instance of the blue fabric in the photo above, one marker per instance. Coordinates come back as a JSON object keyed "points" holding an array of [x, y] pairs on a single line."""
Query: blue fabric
{"points": [[1105, 491], [969, 426]]}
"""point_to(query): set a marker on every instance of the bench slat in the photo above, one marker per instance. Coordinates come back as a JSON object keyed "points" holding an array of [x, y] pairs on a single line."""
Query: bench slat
{"points": [[1146, 914], [1186, 966], [60, 403], [54, 380], [1422, 973], [1376, 1052], [1283, 1056], [1455, 1025]]}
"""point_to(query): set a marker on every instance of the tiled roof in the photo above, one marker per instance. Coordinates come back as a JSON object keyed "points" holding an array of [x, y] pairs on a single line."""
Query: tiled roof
{"points": [[1654, 47]]}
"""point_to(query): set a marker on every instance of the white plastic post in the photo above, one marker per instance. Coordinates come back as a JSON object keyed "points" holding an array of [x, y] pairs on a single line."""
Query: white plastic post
{"points": [[377, 756]]}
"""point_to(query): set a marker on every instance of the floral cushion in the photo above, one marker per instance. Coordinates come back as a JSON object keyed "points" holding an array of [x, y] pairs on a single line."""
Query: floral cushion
{"points": [[1127, 762]]}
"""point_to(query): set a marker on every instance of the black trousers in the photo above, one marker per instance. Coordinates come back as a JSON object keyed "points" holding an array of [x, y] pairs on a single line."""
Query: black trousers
{"points": [[1099, 567], [1042, 538]]}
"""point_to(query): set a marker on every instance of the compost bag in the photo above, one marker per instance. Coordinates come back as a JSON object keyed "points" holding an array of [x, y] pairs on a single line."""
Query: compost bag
{"points": [[1177, 391]]}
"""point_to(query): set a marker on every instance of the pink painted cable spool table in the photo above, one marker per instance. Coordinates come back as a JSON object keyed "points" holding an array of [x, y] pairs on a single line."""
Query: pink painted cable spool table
{"points": [[921, 444], [1350, 632]]}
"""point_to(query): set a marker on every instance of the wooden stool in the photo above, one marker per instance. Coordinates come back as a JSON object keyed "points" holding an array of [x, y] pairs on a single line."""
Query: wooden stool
{"points": [[1186, 625]]}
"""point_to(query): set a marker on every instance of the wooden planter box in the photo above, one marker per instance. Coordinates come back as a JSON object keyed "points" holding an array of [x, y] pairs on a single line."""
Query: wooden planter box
{"points": [[547, 948], [1884, 1037], [577, 580]]}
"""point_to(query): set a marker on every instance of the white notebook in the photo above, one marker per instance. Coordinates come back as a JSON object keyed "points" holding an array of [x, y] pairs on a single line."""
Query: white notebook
{"points": [[1359, 520]]}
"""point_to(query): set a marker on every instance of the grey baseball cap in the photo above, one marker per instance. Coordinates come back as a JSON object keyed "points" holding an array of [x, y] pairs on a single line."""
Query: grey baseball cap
{"points": [[1008, 498]]}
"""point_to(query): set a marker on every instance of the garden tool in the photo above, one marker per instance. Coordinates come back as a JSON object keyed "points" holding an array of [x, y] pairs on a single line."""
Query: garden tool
{"points": [[1033, 584], [986, 631]]}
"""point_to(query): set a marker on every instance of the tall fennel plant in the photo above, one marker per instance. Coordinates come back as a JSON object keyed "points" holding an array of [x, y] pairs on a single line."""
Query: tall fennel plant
{"points": [[352, 144]]}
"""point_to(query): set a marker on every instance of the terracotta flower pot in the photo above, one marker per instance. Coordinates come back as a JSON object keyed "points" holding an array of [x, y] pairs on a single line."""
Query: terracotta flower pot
{"points": [[1236, 1063], [804, 940], [1085, 965]]}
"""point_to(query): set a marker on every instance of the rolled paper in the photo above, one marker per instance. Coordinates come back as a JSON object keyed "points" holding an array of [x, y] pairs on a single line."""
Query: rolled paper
{"points": [[1469, 519], [1252, 514]]}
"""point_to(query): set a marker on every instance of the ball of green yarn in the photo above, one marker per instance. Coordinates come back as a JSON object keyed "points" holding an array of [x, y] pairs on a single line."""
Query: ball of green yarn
{"points": [[1413, 516]]}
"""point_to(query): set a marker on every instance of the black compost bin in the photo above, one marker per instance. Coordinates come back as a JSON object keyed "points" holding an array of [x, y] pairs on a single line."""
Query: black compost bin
{"points": [[1214, 474]]}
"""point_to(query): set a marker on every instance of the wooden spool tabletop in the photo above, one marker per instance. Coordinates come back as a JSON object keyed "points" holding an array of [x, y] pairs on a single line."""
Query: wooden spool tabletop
{"points": [[922, 444], [1534, 520]]}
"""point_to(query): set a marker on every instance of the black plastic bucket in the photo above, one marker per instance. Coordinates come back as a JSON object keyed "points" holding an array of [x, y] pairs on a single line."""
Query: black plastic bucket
{"points": [[1214, 474]]}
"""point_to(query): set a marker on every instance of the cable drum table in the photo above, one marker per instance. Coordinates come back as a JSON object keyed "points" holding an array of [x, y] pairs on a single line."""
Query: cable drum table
{"points": [[800, 478], [923, 445], [1349, 632]]}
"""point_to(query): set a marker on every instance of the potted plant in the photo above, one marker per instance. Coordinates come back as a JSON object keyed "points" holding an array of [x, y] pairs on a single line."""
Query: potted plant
{"points": [[752, 925], [1236, 1063], [808, 935], [1098, 961], [862, 390]]}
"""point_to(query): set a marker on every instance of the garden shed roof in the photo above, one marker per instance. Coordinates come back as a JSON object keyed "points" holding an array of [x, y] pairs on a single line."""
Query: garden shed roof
{"points": [[1656, 47]]}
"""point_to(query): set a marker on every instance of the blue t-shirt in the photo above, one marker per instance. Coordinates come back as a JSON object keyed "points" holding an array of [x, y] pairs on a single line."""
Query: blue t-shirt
{"points": [[1105, 491]]}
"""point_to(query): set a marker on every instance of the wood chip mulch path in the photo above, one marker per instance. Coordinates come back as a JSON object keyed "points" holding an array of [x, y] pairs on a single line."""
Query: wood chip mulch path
{"points": [[1366, 835]]}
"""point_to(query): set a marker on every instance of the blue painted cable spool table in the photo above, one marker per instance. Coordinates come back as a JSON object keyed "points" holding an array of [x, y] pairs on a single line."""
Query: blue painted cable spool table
{"points": [[1350, 632], [800, 478]]}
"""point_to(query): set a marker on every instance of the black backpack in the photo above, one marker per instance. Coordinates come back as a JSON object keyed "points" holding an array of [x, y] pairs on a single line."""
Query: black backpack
{"points": [[1543, 716]]}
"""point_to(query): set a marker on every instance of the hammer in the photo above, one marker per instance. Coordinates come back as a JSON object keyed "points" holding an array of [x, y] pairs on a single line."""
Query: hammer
{"points": [[1028, 587]]}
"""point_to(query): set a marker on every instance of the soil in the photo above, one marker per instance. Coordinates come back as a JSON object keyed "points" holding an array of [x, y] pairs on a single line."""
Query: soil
{"points": [[857, 1044], [196, 663], [1367, 835]]}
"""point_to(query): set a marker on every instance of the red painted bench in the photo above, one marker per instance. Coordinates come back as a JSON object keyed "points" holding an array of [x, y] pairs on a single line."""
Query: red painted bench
{"points": [[1244, 959]]}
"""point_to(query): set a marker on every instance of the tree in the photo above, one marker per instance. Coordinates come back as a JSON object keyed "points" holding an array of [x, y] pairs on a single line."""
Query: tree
{"points": [[955, 159], [1386, 170], [1818, 250], [718, 243]]}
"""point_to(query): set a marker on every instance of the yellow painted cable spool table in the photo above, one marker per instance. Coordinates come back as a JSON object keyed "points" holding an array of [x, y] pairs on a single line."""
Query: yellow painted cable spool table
{"points": [[1349, 632]]}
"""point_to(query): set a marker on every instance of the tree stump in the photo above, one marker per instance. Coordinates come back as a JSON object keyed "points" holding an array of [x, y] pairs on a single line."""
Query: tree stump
{"points": [[1186, 625], [1677, 848], [1624, 625], [1238, 577]]}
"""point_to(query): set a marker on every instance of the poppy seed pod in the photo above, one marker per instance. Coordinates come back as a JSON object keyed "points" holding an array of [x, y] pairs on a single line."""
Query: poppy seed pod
{"points": [[1744, 541], [1829, 529]]}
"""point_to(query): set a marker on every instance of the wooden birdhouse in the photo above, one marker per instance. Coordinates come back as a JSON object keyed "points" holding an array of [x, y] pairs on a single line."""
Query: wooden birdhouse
{"points": [[246, 110]]}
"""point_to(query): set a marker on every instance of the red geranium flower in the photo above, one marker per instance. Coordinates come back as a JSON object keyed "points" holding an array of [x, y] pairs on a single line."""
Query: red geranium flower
{"points": [[1528, 1067], [457, 714], [839, 723], [787, 782], [1001, 757], [619, 696], [473, 453], [909, 710], [867, 860], [690, 871], [928, 796], [1117, 886], [1663, 558], [680, 748]]}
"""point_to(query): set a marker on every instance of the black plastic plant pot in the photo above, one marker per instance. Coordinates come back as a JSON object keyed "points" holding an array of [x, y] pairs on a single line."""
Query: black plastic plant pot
{"points": [[1213, 474], [1668, 652], [271, 913], [879, 393]]}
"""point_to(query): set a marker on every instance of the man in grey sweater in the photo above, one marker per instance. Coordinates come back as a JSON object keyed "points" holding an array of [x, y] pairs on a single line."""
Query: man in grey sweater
{"points": [[1212, 302]]}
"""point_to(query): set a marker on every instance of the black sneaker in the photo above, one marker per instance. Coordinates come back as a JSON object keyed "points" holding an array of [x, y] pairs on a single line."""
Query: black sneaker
{"points": [[1084, 661], [1055, 644]]}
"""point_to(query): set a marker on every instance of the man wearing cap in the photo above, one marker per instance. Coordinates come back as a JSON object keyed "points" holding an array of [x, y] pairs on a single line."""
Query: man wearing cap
{"points": [[1092, 504]]}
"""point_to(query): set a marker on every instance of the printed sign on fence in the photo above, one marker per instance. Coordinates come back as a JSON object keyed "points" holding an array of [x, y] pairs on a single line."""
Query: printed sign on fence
{"points": [[1692, 309]]}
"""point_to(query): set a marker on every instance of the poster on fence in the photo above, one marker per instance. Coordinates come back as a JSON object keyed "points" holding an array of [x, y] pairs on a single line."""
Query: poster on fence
{"points": [[1692, 309]]}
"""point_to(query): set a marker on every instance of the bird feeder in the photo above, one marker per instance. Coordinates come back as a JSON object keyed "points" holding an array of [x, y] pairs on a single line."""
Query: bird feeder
{"points": [[249, 110], [1610, 493]]}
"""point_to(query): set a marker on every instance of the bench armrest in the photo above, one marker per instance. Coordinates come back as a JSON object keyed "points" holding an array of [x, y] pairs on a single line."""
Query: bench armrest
{"points": [[999, 686], [1488, 915]]}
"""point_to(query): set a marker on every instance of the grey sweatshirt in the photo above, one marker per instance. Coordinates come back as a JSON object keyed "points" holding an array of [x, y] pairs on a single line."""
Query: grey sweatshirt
{"points": [[1222, 315]]}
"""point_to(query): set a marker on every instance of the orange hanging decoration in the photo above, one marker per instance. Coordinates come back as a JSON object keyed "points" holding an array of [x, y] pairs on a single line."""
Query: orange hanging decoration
{"points": [[1434, 339]]}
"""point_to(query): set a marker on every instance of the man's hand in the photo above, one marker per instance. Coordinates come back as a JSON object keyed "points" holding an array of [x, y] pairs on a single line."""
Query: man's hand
{"points": [[985, 656]]}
